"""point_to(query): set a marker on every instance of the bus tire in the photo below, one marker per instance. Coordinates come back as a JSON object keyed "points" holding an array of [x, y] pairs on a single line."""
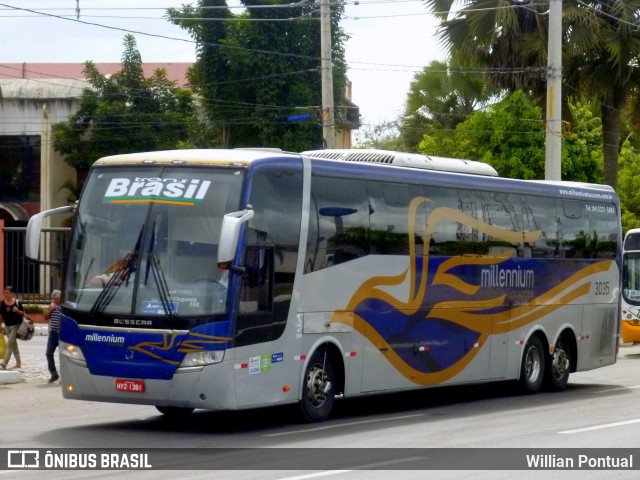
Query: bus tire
{"points": [[175, 412], [558, 366], [318, 387], [532, 368]]}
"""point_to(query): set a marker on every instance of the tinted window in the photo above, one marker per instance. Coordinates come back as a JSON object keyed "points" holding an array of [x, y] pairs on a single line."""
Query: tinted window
{"points": [[502, 212], [539, 214], [270, 255], [391, 219], [341, 210]]}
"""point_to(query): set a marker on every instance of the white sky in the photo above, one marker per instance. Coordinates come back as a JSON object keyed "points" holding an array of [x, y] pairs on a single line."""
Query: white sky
{"points": [[390, 41]]}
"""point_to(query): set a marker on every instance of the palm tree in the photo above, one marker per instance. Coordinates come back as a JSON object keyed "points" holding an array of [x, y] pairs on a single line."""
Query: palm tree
{"points": [[440, 97], [601, 43]]}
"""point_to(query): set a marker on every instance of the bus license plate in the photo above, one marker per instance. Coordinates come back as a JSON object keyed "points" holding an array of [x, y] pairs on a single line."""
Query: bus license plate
{"points": [[135, 386]]}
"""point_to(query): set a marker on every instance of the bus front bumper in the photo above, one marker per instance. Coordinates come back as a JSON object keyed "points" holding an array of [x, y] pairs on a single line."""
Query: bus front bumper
{"points": [[212, 387]]}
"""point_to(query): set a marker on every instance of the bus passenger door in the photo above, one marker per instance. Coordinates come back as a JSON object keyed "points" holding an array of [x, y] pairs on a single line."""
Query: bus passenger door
{"points": [[254, 328]]}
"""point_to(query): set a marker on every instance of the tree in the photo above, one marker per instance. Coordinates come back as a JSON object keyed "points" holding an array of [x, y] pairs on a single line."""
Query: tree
{"points": [[384, 136], [257, 68], [124, 113], [628, 190], [440, 97], [510, 134], [600, 47]]}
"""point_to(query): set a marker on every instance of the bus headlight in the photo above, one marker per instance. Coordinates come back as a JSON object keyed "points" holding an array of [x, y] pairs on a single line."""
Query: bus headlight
{"points": [[200, 359], [73, 353]]}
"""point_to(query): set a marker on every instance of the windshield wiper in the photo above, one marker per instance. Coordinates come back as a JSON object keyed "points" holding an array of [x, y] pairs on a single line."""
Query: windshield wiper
{"points": [[122, 273], [153, 264], [161, 284], [118, 277]]}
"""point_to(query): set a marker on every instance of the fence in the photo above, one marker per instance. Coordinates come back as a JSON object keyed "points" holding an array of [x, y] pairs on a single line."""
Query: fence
{"points": [[32, 281]]}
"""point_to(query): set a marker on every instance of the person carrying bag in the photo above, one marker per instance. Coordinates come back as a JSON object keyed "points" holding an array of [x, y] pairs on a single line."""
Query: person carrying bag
{"points": [[12, 312]]}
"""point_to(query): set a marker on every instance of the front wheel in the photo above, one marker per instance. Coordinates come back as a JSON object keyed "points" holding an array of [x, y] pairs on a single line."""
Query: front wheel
{"points": [[558, 366], [532, 368], [318, 387]]}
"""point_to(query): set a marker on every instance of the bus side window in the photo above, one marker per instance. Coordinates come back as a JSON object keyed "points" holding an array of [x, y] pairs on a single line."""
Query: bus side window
{"points": [[255, 320], [539, 215], [257, 284], [575, 230], [342, 221], [501, 210]]}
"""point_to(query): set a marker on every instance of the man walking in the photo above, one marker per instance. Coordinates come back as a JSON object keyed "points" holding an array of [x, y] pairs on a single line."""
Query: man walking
{"points": [[53, 314]]}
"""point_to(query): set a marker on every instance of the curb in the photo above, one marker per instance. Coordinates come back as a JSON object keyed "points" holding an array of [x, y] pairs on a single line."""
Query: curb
{"points": [[9, 376], [41, 329]]}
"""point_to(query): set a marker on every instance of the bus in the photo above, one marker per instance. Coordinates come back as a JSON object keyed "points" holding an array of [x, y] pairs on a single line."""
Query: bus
{"points": [[630, 318], [245, 278]]}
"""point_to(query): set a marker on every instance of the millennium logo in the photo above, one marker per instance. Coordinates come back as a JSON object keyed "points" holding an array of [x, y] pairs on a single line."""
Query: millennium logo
{"points": [[497, 276], [112, 339]]}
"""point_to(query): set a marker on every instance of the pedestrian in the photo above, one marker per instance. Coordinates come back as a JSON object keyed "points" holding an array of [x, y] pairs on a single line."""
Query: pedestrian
{"points": [[53, 314], [12, 312]]}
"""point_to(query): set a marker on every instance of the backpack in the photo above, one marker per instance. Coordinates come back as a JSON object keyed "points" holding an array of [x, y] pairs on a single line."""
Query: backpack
{"points": [[26, 328]]}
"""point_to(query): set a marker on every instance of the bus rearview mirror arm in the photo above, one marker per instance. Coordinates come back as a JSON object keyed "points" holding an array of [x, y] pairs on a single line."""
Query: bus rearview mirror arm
{"points": [[229, 235]]}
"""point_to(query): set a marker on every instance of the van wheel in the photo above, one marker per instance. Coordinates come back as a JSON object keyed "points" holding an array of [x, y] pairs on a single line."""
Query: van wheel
{"points": [[558, 368], [532, 368], [318, 387]]}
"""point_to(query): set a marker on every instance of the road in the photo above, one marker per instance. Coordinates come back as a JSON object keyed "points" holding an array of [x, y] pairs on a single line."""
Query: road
{"points": [[598, 410]]}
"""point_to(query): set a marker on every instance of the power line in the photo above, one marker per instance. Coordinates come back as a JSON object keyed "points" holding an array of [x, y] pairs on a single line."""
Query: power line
{"points": [[165, 37]]}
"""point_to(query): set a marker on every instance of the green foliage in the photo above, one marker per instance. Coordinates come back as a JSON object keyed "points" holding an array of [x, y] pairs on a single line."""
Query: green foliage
{"points": [[440, 97], [384, 136], [582, 146], [32, 308], [510, 136], [124, 113], [252, 75], [628, 191], [601, 45]]}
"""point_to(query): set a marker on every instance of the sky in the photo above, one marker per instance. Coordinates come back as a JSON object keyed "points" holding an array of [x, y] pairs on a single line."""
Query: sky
{"points": [[390, 41]]}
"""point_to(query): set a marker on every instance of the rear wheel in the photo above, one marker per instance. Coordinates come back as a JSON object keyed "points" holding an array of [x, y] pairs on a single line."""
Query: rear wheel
{"points": [[175, 412], [318, 387], [558, 368], [532, 368]]}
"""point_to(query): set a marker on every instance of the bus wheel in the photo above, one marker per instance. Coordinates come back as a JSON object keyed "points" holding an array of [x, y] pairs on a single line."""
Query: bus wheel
{"points": [[318, 388], [558, 366], [532, 368], [175, 412]]}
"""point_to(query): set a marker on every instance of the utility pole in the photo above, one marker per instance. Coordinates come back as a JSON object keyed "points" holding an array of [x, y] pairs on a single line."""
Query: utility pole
{"points": [[328, 125], [553, 144]]}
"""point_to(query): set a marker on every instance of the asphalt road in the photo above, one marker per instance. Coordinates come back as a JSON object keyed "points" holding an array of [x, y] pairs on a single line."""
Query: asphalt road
{"points": [[599, 409]]}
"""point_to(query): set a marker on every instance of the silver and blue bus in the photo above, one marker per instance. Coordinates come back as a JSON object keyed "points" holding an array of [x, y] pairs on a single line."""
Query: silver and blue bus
{"points": [[235, 279]]}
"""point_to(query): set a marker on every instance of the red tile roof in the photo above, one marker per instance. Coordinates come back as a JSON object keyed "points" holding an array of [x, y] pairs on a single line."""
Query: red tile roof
{"points": [[175, 71]]}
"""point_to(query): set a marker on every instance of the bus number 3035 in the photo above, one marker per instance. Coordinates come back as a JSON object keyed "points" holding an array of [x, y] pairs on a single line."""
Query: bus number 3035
{"points": [[602, 288]]}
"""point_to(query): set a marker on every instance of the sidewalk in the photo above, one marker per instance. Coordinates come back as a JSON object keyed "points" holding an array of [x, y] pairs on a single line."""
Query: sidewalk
{"points": [[32, 359]]}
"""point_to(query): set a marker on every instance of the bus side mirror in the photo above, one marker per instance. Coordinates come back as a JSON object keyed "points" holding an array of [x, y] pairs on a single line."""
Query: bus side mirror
{"points": [[229, 234], [34, 229]]}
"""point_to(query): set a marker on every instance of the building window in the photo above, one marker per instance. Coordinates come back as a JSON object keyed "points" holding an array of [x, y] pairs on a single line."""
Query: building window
{"points": [[20, 168]]}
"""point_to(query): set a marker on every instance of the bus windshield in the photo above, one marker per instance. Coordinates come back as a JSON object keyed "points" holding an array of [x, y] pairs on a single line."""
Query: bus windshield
{"points": [[145, 241], [631, 277]]}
